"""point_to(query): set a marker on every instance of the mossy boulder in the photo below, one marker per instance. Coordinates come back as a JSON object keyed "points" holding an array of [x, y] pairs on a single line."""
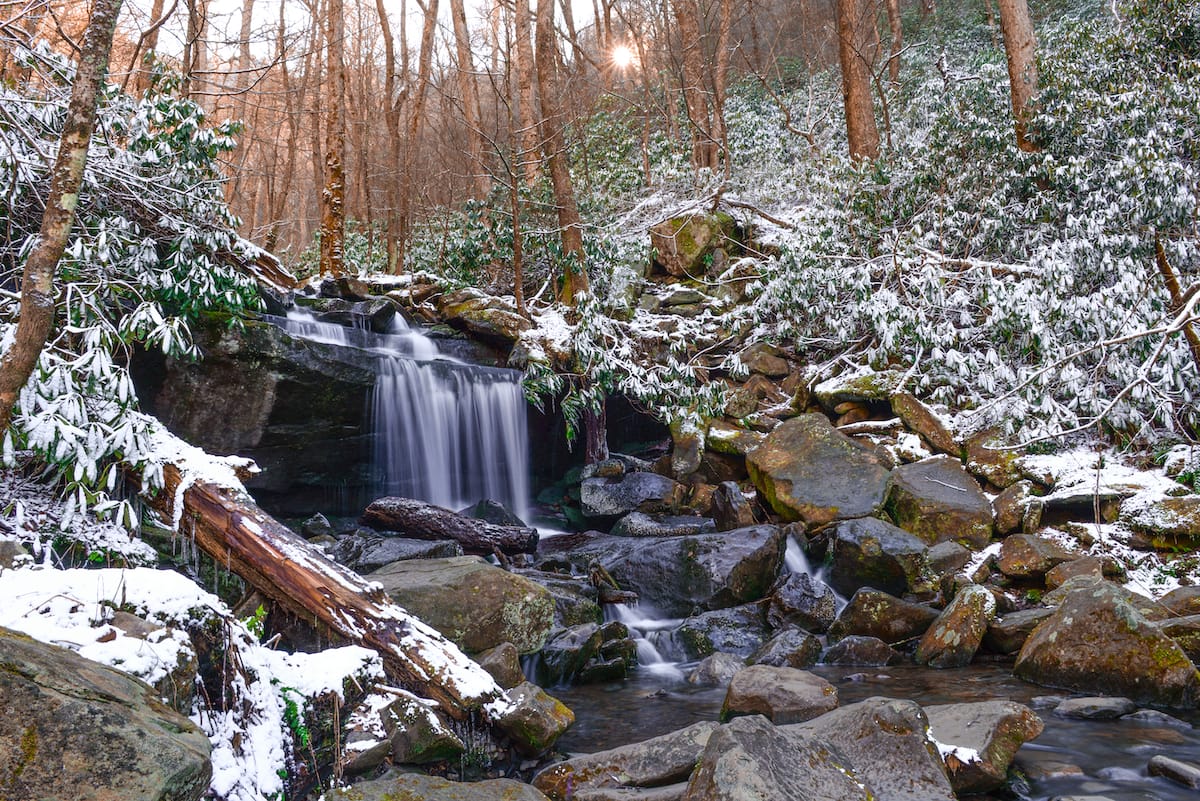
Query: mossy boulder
{"points": [[808, 470], [955, 636], [872, 613], [684, 246], [492, 319], [1098, 642], [1028, 556], [979, 740], [1168, 523], [937, 500], [869, 552], [400, 786], [475, 604], [536, 719]]}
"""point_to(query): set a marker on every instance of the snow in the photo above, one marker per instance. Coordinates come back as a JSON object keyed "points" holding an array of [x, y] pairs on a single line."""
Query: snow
{"points": [[962, 753]]}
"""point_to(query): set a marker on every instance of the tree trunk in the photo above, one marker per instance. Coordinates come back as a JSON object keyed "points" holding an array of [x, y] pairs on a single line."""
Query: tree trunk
{"points": [[333, 197], [1020, 47], [1178, 300], [595, 432], [574, 280], [857, 41], [195, 47], [416, 116], [424, 521], [228, 526], [391, 116], [278, 200], [893, 14], [37, 281], [525, 107], [720, 83], [469, 89], [687, 20], [146, 43]]}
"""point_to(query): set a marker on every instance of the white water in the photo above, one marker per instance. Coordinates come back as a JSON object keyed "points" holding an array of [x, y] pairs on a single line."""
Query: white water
{"points": [[796, 561], [443, 431], [645, 631]]}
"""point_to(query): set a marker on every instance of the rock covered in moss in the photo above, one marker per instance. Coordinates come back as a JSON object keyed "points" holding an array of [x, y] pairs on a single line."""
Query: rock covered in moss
{"points": [[978, 741], [869, 552], [536, 719], [398, 785], [872, 613], [937, 500], [955, 636], [684, 245]]}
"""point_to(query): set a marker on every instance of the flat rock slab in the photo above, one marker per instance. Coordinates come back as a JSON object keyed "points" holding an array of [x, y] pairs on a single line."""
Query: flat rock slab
{"points": [[978, 741], [1095, 708], [780, 694], [81, 730], [419, 787], [808, 470], [937, 500]]}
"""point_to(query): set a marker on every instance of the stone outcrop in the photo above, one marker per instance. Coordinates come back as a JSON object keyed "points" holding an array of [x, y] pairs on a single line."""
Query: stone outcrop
{"points": [[476, 605], [77, 729], [1097, 641], [682, 244], [808, 470]]}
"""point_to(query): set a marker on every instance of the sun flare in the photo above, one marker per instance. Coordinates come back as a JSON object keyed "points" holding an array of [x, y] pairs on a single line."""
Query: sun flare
{"points": [[622, 57]]}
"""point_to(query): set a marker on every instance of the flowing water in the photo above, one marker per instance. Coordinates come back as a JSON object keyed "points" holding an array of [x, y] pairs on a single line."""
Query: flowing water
{"points": [[443, 431]]}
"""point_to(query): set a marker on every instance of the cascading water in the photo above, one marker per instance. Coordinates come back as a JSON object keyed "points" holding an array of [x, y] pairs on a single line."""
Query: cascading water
{"points": [[443, 431], [797, 562], [646, 631]]}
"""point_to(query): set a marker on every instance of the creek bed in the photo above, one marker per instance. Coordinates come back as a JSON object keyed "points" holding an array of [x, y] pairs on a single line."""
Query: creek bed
{"points": [[1111, 756]]}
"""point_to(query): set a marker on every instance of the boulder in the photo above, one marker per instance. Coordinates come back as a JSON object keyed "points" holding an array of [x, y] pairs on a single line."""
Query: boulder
{"points": [[658, 761], [1098, 641], [365, 551], [1007, 634], [491, 319], [1186, 632], [740, 631], [716, 670], [1168, 523], [733, 440], [921, 419], [1083, 566], [1028, 556], [750, 759], [858, 651], [1184, 773], [419, 787], [869, 552], [978, 740], [632, 492], [955, 636], [576, 599], [587, 652], [639, 524], [503, 662], [947, 558], [675, 575], [872, 613], [885, 742], [764, 359], [493, 512], [684, 245], [415, 734], [730, 509], [344, 287], [475, 604], [808, 470], [1146, 606], [1104, 707], [793, 648], [780, 694], [535, 720], [937, 500], [77, 729], [804, 601], [1182, 601], [866, 387], [1008, 508]]}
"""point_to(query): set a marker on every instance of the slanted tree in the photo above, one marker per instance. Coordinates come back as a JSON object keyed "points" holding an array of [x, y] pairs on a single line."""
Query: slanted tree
{"points": [[37, 281], [1020, 46], [858, 43]]}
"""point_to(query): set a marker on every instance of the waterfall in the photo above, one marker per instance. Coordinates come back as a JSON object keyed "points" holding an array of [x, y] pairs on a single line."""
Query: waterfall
{"points": [[797, 562], [443, 431], [646, 632]]}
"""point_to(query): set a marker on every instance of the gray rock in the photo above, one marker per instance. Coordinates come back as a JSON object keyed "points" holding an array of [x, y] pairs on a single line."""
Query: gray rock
{"points": [[937, 500], [955, 636], [682, 244], [740, 630], [979, 740], [663, 760], [808, 470], [1180, 772], [364, 552], [644, 492], [476, 605], [1182, 601], [415, 734], [749, 759], [1083, 566], [639, 524], [872, 613], [947, 558], [419, 787], [885, 741], [1185, 631], [765, 360], [493, 512], [503, 662], [716, 670], [73, 724], [1026, 556], [536, 719], [860, 651], [1098, 641], [780, 694], [316, 526], [1168, 523], [730, 509], [1009, 507], [921, 419], [1155, 718], [793, 648], [1006, 635], [804, 601], [672, 792], [869, 552], [1095, 708], [576, 600], [587, 652]]}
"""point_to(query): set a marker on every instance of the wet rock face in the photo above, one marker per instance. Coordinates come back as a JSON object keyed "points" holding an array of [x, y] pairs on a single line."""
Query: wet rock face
{"points": [[75, 729], [937, 500], [872, 613], [1098, 641], [955, 636], [979, 740], [804, 601], [631, 492], [780, 694], [869, 552], [807, 470]]}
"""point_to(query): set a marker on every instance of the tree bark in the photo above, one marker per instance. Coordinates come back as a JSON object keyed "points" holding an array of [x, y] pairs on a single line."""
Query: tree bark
{"points": [[525, 108], [1020, 46], [1178, 300], [416, 117], [469, 90], [574, 279], [391, 116], [700, 122], [719, 146], [228, 526], [857, 41], [37, 281], [893, 14], [333, 196], [424, 521]]}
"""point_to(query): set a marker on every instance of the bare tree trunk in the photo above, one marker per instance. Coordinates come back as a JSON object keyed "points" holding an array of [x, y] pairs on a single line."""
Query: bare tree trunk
{"points": [[392, 120], [146, 43], [292, 112], [857, 40], [37, 281], [195, 47], [595, 432], [526, 113], [718, 148], [893, 13], [1020, 47], [687, 19], [333, 197], [469, 89], [417, 116], [574, 279], [1178, 299], [234, 188]]}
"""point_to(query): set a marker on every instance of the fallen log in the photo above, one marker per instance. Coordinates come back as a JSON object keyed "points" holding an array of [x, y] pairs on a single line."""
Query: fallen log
{"points": [[229, 526], [424, 521]]}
